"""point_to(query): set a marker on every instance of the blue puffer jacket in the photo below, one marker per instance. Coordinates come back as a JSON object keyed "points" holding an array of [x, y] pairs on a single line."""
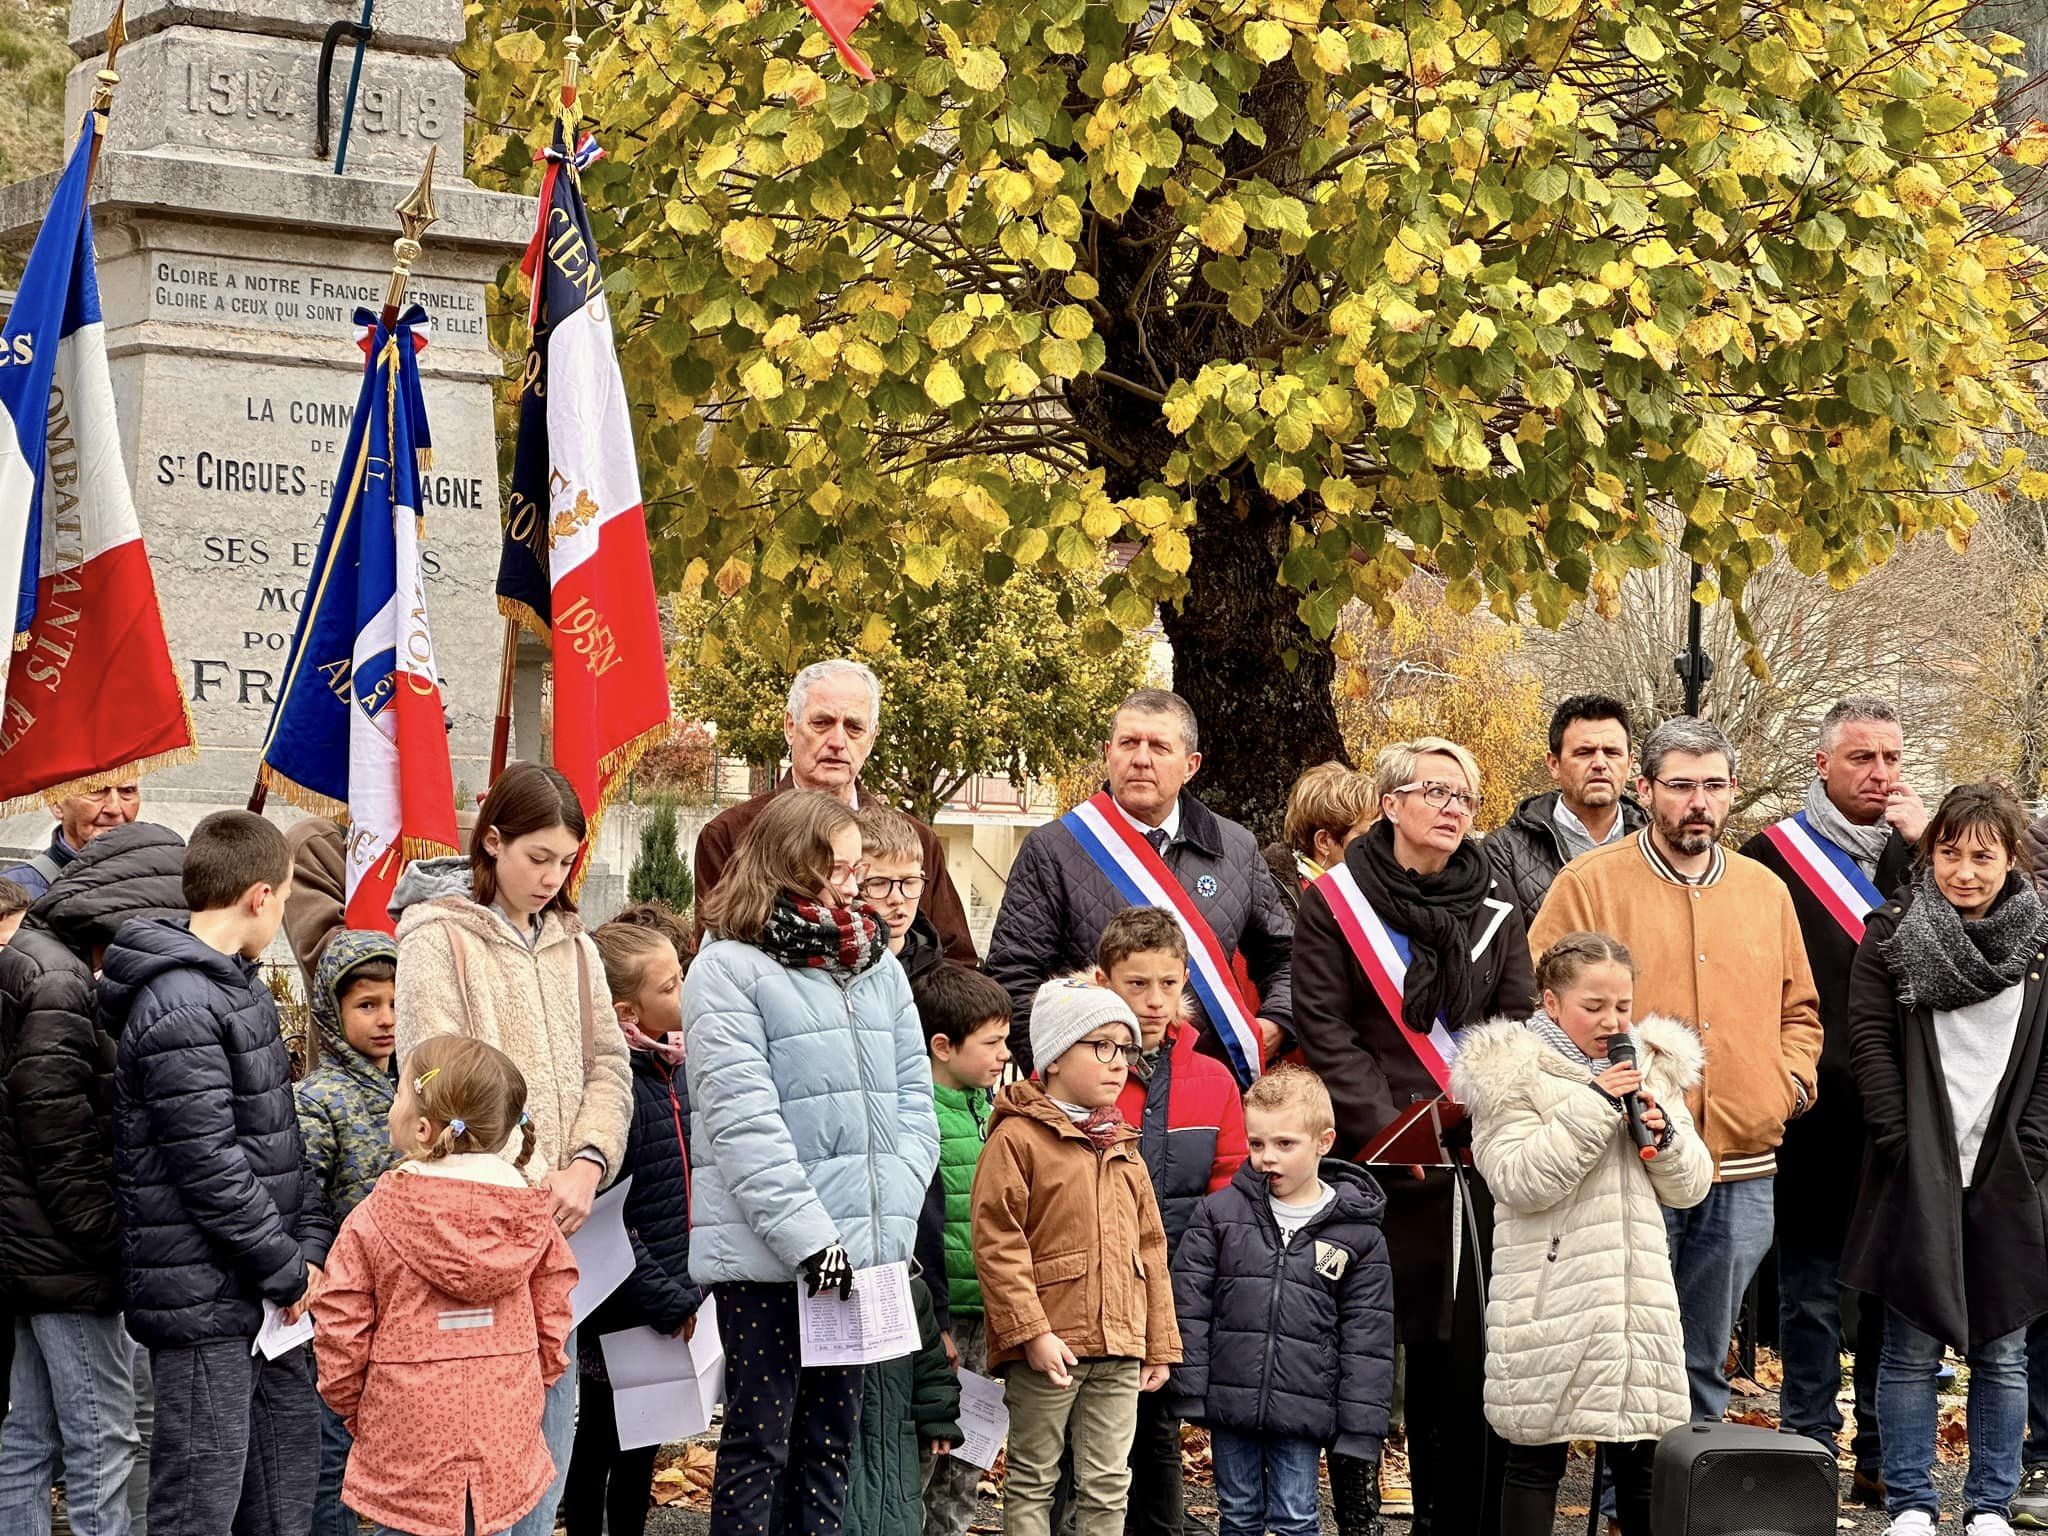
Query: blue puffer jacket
{"points": [[813, 1115], [1295, 1340], [216, 1216]]}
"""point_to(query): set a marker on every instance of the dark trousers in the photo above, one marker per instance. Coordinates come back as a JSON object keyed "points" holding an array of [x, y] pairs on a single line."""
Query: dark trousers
{"points": [[1529, 1490], [237, 1442], [1815, 1317], [2036, 1452], [1155, 1507], [787, 1430], [608, 1489], [1455, 1460]]}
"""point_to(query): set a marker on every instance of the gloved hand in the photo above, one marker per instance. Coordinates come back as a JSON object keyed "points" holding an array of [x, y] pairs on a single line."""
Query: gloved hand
{"points": [[829, 1267]]}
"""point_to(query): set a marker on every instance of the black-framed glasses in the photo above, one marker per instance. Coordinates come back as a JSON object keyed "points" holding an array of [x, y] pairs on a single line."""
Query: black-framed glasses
{"points": [[1715, 788], [1107, 1051], [1436, 796], [879, 887]]}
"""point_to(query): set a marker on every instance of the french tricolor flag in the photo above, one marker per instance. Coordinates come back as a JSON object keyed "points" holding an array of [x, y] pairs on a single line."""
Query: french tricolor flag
{"points": [[359, 731], [90, 694], [575, 566]]}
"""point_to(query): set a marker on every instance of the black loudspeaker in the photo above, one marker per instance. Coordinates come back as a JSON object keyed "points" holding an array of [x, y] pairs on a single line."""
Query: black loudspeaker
{"points": [[1738, 1480]]}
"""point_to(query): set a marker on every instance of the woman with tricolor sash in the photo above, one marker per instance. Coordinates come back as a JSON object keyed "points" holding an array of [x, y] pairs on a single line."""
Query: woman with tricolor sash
{"points": [[1397, 948]]}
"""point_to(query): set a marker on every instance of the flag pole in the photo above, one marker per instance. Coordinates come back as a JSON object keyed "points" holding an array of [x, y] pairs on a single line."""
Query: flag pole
{"points": [[508, 660], [103, 90], [416, 212]]}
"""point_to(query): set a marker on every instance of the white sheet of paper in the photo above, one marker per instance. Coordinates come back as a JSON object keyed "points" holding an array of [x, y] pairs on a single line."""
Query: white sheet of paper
{"points": [[278, 1337], [879, 1321], [664, 1389], [984, 1420], [604, 1257]]}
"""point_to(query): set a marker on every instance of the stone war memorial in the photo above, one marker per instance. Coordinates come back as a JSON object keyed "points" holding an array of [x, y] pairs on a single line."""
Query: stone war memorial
{"points": [[232, 263]]}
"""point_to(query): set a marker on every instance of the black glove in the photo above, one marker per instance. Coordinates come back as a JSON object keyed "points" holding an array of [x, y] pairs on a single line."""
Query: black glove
{"points": [[829, 1267], [1355, 1495]]}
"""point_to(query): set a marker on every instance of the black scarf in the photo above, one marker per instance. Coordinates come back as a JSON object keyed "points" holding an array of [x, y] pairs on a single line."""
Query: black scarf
{"points": [[1941, 962], [809, 934], [1434, 912]]}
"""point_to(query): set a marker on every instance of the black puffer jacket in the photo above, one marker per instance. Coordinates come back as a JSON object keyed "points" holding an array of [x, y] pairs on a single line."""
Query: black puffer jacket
{"points": [[1527, 853], [1294, 1340], [58, 1247], [208, 1160], [658, 1293], [1057, 903]]}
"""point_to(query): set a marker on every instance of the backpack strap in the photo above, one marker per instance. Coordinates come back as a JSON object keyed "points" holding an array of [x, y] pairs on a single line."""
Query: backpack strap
{"points": [[46, 866]]}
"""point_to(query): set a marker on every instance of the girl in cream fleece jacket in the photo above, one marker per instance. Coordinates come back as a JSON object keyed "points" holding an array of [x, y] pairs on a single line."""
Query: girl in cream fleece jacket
{"points": [[445, 1313]]}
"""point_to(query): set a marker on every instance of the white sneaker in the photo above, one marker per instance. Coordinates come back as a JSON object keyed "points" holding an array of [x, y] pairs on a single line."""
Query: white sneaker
{"points": [[1987, 1523], [1911, 1522]]}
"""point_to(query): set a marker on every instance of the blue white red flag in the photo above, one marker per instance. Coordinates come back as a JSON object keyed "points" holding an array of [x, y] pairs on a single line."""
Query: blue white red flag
{"points": [[575, 567], [359, 731], [72, 563]]}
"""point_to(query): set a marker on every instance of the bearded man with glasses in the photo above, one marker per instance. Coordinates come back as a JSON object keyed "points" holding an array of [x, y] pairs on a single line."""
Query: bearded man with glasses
{"points": [[1717, 944]]}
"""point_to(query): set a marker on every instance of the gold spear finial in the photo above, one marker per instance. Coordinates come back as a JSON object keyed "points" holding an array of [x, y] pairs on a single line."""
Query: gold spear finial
{"points": [[108, 78], [572, 70], [415, 214]]}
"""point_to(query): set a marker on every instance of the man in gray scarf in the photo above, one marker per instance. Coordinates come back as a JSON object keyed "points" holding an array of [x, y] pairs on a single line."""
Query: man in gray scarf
{"points": [[1857, 806]]}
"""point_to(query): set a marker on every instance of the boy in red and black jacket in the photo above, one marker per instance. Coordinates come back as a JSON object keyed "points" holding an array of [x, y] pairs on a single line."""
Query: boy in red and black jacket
{"points": [[1190, 1122]]}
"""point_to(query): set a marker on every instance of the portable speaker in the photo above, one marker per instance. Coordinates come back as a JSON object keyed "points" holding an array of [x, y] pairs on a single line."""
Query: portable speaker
{"points": [[1738, 1480]]}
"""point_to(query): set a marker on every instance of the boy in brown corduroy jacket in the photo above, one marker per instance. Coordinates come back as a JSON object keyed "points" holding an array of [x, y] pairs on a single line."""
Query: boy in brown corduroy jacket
{"points": [[1072, 1261]]}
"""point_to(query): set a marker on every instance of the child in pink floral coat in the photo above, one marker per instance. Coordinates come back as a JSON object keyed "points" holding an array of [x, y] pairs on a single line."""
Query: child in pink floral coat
{"points": [[445, 1312]]}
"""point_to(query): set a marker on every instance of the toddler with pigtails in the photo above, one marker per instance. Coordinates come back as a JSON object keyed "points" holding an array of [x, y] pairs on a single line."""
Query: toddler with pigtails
{"points": [[445, 1315]]}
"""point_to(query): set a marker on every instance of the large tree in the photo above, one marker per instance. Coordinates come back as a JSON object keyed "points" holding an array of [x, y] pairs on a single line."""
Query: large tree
{"points": [[1294, 297]]}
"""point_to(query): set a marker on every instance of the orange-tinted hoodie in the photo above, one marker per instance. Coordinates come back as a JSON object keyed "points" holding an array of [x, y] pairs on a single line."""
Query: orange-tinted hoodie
{"points": [[441, 1324]]}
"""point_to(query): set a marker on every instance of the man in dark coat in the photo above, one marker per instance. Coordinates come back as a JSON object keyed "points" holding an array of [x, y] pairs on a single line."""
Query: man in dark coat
{"points": [[80, 819], [830, 728], [212, 1192], [1589, 763], [1858, 806], [1057, 901], [60, 1265]]}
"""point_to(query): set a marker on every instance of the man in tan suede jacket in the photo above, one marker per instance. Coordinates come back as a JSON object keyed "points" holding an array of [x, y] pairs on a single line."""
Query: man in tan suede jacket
{"points": [[1716, 943]]}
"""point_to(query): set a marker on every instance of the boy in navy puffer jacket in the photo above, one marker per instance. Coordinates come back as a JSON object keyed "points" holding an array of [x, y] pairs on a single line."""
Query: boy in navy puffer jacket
{"points": [[1286, 1310]]}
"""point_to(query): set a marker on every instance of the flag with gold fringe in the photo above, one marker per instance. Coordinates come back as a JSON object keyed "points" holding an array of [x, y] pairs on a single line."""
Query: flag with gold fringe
{"points": [[359, 732], [575, 567]]}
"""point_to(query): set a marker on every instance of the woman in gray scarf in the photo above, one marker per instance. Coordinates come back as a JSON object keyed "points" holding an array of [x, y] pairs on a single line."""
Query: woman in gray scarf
{"points": [[1947, 1024]]}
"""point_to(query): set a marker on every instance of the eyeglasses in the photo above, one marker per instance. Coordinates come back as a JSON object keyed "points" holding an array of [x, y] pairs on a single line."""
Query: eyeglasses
{"points": [[1715, 788], [843, 872], [878, 887], [1107, 1051], [1436, 796]]}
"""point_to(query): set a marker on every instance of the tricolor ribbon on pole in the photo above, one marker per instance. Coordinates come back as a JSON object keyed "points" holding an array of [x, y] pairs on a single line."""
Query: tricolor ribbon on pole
{"points": [[90, 692]]}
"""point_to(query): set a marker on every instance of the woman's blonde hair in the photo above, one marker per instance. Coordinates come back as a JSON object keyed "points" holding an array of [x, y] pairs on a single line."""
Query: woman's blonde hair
{"points": [[1395, 765], [474, 1093], [786, 852], [624, 948], [1328, 798]]}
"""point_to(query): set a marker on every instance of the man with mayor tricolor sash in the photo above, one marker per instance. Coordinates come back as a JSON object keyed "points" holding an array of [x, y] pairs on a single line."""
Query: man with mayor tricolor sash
{"points": [[1844, 853], [1145, 841]]}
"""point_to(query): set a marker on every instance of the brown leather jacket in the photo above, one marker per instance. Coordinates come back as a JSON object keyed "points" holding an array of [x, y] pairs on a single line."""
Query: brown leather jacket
{"points": [[1067, 1238]]}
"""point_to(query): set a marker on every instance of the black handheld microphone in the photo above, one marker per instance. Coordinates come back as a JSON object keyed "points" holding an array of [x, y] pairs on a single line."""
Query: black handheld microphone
{"points": [[1621, 1052]]}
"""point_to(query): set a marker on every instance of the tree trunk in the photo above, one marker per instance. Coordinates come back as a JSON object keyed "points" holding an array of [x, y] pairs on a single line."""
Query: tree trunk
{"points": [[1261, 721]]}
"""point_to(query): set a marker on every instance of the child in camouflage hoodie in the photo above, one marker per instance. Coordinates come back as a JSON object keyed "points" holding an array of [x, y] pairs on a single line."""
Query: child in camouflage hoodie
{"points": [[344, 1113]]}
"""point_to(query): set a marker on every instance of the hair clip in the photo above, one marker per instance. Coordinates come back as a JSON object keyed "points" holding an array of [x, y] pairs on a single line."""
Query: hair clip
{"points": [[525, 1119], [419, 1084], [459, 1126]]}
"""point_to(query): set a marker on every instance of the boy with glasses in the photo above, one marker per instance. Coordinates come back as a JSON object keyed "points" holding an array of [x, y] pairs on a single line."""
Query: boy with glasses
{"points": [[892, 882], [1071, 1257], [1717, 944]]}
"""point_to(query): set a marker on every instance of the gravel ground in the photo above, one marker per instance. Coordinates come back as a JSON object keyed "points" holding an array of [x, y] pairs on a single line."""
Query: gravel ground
{"points": [[1572, 1501]]}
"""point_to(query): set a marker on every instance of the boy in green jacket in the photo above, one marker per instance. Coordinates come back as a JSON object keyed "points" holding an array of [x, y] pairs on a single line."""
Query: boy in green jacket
{"points": [[966, 1019]]}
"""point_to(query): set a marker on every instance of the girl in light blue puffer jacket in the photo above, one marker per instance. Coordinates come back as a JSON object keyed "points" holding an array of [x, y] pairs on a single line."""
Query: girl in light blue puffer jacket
{"points": [[812, 1144]]}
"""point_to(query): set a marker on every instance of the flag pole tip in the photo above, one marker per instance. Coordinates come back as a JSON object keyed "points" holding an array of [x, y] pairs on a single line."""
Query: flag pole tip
{"points": [[416, 213], [107, 77]]}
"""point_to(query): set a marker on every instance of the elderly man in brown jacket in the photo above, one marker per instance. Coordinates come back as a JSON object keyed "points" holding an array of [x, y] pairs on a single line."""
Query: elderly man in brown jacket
{"points": [[1716, 943]]}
